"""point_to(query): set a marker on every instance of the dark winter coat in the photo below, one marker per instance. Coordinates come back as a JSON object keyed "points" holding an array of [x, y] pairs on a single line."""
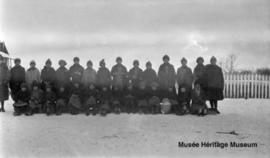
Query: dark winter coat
{"points": [[23, 96], [62, 77], [105, 97], [103, 77], [4, 79], [214, 82], [90, 93], [37, 96], [63, 95], [76, 73], [166, 75], [149, 76], [184, 77], [50, 97], [48, 76], [198, 73], [135, 76], [119, 75], [17, 77]]}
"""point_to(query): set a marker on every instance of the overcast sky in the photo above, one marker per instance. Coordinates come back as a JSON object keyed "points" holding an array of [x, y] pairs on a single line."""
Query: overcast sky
{"points": [[137, 29]]}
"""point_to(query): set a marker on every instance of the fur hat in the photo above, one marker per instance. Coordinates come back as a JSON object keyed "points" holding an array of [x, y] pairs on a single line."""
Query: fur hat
{"points": [[102, 62], [48, 61], [199, 59], [166, 57], [119, 59], [62, 62]]}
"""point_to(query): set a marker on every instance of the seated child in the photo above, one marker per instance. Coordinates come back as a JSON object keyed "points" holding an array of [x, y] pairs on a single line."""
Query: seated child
{"points": [[36, 101], [184, 97], [154, 98], [62, 99], [104, 100], [117, 99], [170, 96], [22, 98], [50, 100], [130, 99], [141, 95], [198, 105], [75, 100], [90, 99]]}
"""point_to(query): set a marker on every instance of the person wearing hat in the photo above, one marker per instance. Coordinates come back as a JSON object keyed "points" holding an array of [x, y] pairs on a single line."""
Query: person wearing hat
{"points": [[141, 95], [36, 100], [184, 80], [104, 100], [17, 77], [166, 74], [76, 98], [154, 98], [76, 71], [4, 79], [103, 75], [48, 75], [135, 74], [214, 79], [89, 74], [130, 101], [199, 71], [50, 100], [62, 75], [32, 74], [90, 97], [21, 99], [149, 75], [62, 99], [119, 74]]}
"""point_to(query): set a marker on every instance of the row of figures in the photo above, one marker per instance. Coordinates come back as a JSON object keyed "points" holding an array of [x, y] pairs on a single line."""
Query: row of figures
{"points": [[78, 90]]}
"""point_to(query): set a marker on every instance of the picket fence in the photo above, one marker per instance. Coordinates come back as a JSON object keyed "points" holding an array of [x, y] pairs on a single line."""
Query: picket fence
{"points": [[246, 86]]}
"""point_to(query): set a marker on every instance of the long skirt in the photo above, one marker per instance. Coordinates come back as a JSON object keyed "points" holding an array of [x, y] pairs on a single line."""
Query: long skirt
{"points": [[214, 94], [4, 93]]}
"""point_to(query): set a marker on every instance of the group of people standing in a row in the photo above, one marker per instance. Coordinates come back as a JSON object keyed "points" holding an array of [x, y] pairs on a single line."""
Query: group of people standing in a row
{"points": [[77, 90]]}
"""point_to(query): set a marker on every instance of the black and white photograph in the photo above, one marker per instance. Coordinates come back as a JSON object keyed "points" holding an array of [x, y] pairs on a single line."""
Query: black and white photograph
{"points": [[134, 78]]}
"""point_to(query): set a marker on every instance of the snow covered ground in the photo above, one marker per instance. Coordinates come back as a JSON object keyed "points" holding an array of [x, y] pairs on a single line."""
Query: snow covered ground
{"points": [[137, 135]]}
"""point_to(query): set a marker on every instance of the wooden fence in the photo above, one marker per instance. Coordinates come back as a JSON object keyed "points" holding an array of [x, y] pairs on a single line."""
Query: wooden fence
{"points": [[246, 86]]}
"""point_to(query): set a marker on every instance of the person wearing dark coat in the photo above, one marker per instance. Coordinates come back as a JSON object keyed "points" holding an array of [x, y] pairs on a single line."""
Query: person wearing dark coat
{"points": [[103, 75], [198, 106], [166, 74], [36, 100], [135, 74], [149, 75], [154, 95], [117, 102], [104, 99], [62, 99], [184, 81], [142, 96], [90, 99], [17, 77], [76, 71], [48, 76], [76, 98], [50, 100], [199, 71], [21, 99], [4, 79], [62, 75], [130, 103], [214, 79], [119, 75]]}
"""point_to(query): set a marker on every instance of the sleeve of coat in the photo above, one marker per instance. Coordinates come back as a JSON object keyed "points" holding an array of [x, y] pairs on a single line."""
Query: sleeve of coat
{"points": [[222, 78]]}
